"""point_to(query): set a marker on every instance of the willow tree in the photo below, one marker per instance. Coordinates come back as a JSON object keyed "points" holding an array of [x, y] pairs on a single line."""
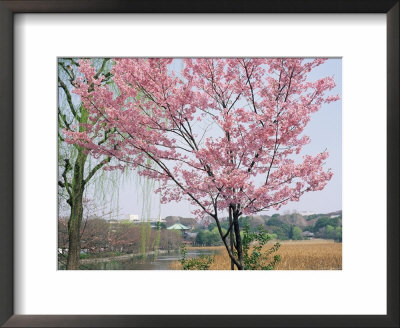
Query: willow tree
{"points": [[74, 169], [245, 164]]}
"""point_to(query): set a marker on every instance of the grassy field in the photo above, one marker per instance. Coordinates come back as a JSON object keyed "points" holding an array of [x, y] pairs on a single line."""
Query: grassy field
{"points": [[317, 254]]}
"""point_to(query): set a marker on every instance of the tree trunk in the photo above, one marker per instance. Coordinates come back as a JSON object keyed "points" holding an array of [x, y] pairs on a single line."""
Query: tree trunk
{"points": [[231, 237], [239, 247], [227, 247], [75, 219], [74, 228]]}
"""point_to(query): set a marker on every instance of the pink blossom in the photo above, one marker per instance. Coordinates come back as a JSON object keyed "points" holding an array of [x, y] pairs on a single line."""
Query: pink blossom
{"points": [[258, 108]]}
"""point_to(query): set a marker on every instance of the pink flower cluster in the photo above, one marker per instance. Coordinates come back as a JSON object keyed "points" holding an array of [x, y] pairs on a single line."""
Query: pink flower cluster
{"points": [[219, 132]]}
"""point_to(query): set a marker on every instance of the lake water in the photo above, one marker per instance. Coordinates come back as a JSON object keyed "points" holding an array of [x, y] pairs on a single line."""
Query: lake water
{"points": [[161, 262]]}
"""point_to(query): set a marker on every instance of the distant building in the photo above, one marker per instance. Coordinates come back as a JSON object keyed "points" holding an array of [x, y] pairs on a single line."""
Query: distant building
{"points": [[334, 216], [179, 226], [307, 213], [158, 219], [134, 218], [307, 234]]}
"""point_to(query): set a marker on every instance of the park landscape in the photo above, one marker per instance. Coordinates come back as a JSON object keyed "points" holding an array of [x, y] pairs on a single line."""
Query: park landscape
{"points": [[223, 137]]}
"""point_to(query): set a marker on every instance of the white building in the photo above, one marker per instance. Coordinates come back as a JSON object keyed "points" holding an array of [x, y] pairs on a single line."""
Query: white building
{"points": [[134, 218], [307, 213], [158, 219]]}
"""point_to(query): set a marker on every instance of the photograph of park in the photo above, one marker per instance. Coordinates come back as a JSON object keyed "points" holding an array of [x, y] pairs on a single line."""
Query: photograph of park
{"points": [[199, 163]]}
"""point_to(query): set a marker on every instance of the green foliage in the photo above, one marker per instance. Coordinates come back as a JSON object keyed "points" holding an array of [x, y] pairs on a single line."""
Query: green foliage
{"points": [[334, 222], [202, 262], [290, 233], [243, 221], [255, 222], [334, 233], [144, 228], [213, 226], [127, 223], [338, 236], [215, 231], [324, 221], [330, 232], [311, 217], [258, 260], [309, 228], [296, 233], [200, 237], [275, 215], [273, 236], [161, 225], [283, 232], [208, 238], [274, 221]]}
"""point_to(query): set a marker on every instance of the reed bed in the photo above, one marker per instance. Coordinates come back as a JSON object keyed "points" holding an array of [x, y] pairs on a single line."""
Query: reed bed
{"points": [[295, 255]]}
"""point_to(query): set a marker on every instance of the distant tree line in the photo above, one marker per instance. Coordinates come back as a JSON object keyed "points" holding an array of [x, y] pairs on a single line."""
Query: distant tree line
{"points": [[101, 236], [321, 227], [327, 228], [282, 227]]}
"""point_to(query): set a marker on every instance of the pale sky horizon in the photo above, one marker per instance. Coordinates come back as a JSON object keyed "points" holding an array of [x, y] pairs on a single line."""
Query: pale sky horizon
{"points": [[325, 131]]}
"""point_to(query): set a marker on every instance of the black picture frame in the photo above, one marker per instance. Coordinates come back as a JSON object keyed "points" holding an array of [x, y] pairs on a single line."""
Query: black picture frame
{"points": [[7, 11]]}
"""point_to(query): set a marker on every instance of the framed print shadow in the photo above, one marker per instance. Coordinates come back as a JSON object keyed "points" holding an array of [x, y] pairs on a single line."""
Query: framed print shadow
{"points": [[188, 166]]}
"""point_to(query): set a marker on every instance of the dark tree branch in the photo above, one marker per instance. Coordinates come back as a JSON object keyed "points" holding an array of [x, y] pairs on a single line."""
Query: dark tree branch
{"points": [[65, 184], [95, 169], [69, 98]]}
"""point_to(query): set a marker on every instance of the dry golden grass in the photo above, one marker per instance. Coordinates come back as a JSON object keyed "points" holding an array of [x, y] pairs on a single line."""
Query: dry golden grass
{"points": [[314, 255], [295, 255]]}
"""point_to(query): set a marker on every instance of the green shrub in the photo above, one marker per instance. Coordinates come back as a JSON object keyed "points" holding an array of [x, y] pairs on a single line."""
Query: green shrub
{"points": [[297, 233], [202, 262], [338, 236], [208, 238], [257, 259]]}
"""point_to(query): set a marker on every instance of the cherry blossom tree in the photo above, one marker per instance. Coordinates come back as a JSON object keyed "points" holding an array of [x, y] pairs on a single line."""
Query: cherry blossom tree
{"points": [[222, 133]]}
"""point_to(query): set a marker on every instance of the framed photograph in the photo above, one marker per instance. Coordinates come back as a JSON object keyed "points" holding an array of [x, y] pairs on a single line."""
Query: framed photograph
{"points": [[153, 151]]}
